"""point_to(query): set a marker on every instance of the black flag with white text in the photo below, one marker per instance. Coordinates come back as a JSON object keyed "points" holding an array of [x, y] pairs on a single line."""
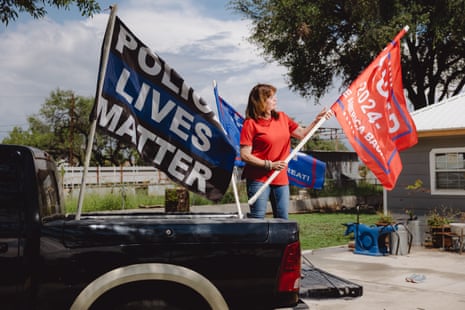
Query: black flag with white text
{"points": [[146, 103]]}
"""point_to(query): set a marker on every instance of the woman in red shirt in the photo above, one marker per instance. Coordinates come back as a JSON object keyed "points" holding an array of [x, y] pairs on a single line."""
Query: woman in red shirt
{"points": [[265, 144]]}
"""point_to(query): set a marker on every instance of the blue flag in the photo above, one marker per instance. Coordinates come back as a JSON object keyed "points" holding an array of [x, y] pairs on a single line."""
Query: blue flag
{"points": [[146, 103], [232, 123], [306, 171], [303, 170]]}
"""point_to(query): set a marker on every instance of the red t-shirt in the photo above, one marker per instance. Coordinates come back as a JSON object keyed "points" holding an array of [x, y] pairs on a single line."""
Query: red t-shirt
{"points": [[269, 139]]}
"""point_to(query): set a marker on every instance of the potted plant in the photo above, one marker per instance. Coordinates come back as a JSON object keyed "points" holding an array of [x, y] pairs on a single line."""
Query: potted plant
{"points": [[384, 219], [438, 220], [411, 215]]}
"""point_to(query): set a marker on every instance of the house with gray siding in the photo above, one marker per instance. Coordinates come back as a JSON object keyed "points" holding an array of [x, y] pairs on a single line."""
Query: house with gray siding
{"points": [[437, 160]]}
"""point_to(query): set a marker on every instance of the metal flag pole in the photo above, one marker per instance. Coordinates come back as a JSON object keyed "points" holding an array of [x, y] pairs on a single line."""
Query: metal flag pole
{"points": [[234, 173], [235, 191], [302, 142], [93, 125]]}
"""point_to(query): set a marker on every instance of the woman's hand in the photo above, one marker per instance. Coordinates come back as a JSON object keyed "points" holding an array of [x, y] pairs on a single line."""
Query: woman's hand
{"points": [[248, 158], [278, 165], [301, 132]]}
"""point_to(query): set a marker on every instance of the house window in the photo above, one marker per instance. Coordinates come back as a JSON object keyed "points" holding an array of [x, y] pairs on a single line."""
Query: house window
{"points": [[448, 171]]}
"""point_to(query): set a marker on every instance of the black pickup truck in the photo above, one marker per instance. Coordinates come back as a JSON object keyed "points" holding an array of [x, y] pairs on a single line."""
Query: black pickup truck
{"points": [[133, 260]]}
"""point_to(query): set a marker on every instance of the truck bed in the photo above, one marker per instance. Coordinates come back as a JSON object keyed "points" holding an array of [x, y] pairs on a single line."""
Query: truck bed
{"points": [[241, 257]]}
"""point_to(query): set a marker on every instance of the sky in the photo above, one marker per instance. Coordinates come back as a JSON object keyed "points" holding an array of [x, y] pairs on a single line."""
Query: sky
{"points": [[202, 40]]}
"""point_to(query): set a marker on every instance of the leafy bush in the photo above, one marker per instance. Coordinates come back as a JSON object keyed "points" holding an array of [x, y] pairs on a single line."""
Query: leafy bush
{"points": [[441, 216]]}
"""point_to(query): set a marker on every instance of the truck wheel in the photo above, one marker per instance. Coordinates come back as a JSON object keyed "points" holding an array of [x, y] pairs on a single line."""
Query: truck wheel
{"points": [[150, 284], [159, 295]]}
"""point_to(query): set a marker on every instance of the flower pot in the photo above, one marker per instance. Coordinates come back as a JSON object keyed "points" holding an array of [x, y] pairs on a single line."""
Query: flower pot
{"points": [[439, 236], [417, 230]]}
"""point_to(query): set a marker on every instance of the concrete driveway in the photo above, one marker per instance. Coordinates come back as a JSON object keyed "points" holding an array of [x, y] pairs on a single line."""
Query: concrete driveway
{"points": [[384, 279]]}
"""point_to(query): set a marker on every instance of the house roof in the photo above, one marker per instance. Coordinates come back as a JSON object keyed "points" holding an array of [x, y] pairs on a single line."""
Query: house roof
{"points": [[443, 118]]}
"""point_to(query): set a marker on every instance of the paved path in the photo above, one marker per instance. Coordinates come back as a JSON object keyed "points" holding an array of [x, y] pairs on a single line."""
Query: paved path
{"points": [[383, 279]]}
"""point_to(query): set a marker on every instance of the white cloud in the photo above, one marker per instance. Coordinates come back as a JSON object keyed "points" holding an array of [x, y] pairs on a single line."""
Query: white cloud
{"points": [[38, 56]]}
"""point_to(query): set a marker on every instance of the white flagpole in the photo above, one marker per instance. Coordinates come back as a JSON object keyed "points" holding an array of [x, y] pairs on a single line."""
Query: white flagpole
{"points": [[234, 174], [302, 142], [235, 191], [93, 125]]}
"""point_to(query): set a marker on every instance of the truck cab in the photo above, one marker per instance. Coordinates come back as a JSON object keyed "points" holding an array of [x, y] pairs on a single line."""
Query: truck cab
{"points": [[29, 191]]}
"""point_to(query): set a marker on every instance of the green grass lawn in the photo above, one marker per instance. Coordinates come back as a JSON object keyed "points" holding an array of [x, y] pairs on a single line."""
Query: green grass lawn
{"points": [[319, 230]]}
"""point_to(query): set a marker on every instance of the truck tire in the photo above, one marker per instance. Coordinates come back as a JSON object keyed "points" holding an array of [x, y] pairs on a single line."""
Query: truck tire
{"points": [[151, 294], [152, 274]]}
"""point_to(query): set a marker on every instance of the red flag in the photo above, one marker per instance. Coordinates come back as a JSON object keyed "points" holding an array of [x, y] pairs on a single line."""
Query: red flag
{"points": [[374, 116]]}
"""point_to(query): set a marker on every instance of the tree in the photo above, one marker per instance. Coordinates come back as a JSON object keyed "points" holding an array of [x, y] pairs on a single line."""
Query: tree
{"points": [[319, 40], [9, 10], [61, 128]]}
